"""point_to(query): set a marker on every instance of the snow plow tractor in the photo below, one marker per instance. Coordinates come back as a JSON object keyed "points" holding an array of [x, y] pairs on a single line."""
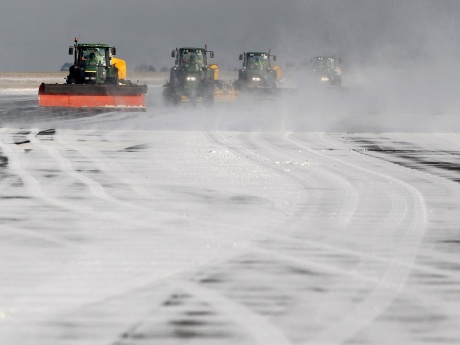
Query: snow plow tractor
{"points": [[191, 79], [326, 70], [257, 76], [95, 80]]}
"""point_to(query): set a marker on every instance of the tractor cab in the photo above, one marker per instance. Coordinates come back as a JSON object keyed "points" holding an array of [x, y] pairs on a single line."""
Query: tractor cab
{"points": [[257, 61], [92, 64], [191, 59], [92, 56]]}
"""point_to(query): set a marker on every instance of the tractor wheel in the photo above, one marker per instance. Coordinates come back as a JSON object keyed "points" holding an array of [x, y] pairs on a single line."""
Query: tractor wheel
{"points": [[208, 96], [175, 91], [166, 96], [170, 97], [176, 98]]}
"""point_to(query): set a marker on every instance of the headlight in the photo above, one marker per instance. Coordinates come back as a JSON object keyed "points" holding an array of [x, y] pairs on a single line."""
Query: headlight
{"points": [[255, 79], [191, 78], [324, 79]]}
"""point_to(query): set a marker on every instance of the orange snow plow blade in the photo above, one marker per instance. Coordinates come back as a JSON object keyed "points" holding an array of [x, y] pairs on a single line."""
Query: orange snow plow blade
{"points": [[123, 97]]}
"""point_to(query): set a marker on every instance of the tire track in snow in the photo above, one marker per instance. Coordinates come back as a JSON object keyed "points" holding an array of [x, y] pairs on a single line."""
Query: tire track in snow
{"points": [[102, 164], [347, 208], [394, 278], [250, 325], [35, 189], [437, 263], [219, 138], [303, 183], [96, 189], [32, 186], [106, 166], [260, 329], [397, 271], [436, 182], [392, 220], [242, 151]]}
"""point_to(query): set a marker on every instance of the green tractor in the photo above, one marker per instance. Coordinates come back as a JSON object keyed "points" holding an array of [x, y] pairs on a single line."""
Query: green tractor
{"points": [[191, 78], [95, 80], [257, 74], [326, 70], [92, 64]]}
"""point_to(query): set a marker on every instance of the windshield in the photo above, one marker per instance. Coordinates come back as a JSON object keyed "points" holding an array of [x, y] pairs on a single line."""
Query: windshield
{"points": [[324, 63], [257, 61], [192, 56], [90, 56]]}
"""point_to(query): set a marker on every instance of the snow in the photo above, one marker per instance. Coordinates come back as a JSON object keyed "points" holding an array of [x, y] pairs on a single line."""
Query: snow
{"points": [[264, 224]]}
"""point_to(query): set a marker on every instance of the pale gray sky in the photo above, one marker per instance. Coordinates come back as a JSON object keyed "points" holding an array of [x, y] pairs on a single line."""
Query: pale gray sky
{"points": [[35, 34]]}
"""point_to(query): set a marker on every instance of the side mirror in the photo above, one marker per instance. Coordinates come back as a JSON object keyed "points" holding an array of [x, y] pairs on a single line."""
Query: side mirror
{"points": [[70, 50], [114, 51], [211, 55], [274, 57], [173, 54], [241, 56]]}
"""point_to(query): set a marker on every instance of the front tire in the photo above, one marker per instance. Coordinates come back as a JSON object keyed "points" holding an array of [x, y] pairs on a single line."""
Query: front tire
{"points": [[170, 96], [208, 97]]}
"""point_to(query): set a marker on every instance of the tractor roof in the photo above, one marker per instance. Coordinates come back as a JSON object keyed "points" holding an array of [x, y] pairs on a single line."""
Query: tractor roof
{"points": [[193, 49], [93, 45], [324, 57]]}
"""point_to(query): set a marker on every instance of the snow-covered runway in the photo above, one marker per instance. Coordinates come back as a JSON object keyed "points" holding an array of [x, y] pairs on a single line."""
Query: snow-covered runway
{"points": [[131, 229]]}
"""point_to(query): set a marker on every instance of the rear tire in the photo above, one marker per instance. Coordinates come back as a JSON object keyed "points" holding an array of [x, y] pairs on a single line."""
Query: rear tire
{"points": [[170, 96], [208, 97]]}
